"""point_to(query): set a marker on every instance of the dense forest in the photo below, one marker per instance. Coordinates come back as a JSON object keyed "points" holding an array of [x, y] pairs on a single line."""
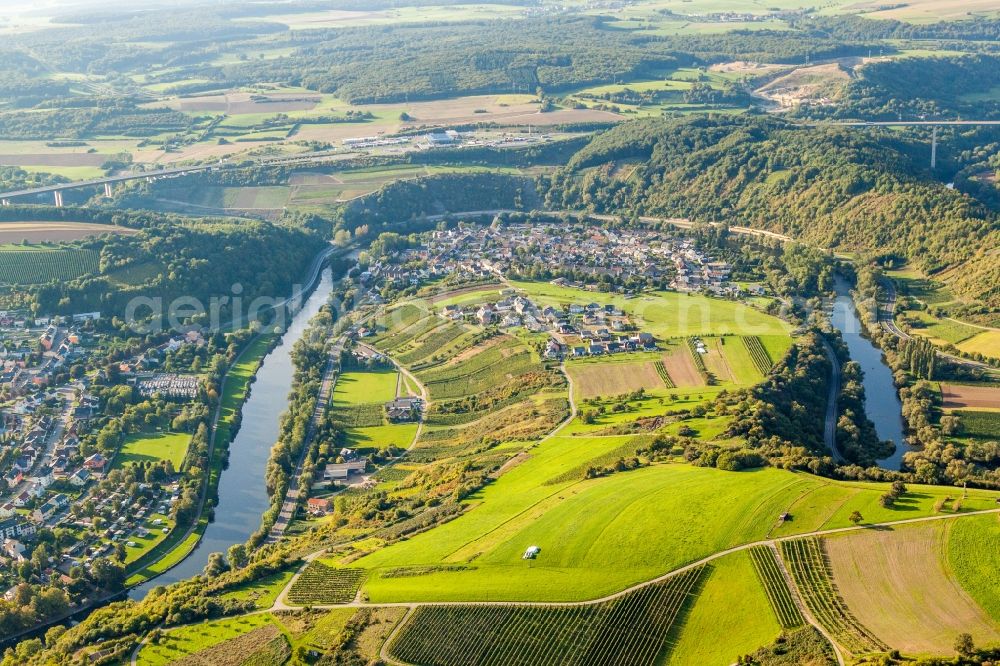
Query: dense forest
{"points": [[172, 257], [836, 188]]}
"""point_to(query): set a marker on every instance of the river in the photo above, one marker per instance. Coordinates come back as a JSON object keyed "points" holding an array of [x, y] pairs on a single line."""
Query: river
{"points": [[881, 400], [242, 495]]}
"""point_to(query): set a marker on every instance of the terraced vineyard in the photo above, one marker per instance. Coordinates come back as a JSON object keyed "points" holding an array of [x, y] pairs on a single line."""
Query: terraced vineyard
{"points": [[35, 267], [483, 371], [661, 370], [758, 354], [322, 584], [628, 631], [808, 565], [431, 343], [699, 362], [765, 563]]}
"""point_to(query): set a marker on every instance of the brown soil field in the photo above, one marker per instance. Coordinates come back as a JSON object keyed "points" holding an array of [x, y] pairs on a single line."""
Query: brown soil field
{"points": [[897, 584], [36, 232], [956, 396], [680, 366], [613, 378], [716, 363], [55, 159]]}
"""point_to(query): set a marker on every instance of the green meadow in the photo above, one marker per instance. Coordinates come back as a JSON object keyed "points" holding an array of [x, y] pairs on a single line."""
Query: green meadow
{"points": [[600, 535], [359, 388], [669, 314], [153, 447]]}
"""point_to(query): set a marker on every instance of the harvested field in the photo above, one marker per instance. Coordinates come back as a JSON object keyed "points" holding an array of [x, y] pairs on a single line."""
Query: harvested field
{"points": [[955, 396], [680, 366], [606, 379], [898, 585], [55, 159], [716, 362], [986, 343], [38, 232]]}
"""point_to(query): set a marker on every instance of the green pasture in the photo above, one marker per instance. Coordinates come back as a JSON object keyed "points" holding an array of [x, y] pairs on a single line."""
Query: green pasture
{"points": [[399, 435], [153, 447], [601, 535], [729, 616], [974, 558], [359, 388], [264, 591], [184, 641], [669, 314]]}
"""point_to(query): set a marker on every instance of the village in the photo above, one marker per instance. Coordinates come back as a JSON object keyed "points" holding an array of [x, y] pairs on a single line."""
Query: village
{"points": [[51, 480], [582, 255]]}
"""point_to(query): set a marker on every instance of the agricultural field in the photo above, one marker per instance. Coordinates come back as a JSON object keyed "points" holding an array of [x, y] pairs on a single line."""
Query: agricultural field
{"points": [[197, 639], [668, 314], [973, 556], [661, 517], [986, 343], [322, 584], [958, 396], [359, 388], [728, 617], [17, 233], [153, 447], [593, 378], [808, 564], [768, 569], [20, 265], [628, 630], [886, 578], [981, 425]]}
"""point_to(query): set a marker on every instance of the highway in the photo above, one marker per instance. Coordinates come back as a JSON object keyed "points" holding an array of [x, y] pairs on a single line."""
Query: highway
{"points": [[886, 318], [173, 172]]}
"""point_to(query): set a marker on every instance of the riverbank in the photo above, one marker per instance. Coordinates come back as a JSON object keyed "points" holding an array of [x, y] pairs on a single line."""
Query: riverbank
{"points": [[882, 403], [235, 390], [241, 496]]}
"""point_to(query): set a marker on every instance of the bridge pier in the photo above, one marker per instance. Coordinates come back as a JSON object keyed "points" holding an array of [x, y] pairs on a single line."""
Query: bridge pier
{"points": [[934, 147], [58, 198], [6, 202], [107, 190]]}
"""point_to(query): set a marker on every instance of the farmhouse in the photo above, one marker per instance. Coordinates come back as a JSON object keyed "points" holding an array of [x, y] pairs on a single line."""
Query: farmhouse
{"points": [[403, 409], [318, 506]]}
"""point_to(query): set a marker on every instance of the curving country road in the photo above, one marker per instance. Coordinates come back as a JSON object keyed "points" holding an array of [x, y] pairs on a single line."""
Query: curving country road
{"points": [[830, 424], [886, 317]]}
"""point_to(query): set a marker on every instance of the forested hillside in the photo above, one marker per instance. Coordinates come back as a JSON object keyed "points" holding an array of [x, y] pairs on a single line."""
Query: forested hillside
{"points": [[172, 257], [837, 188]]}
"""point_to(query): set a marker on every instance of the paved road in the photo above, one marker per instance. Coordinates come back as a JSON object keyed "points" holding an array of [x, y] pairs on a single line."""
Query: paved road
{"points": [[886, 317], [291, 501], [830, 424]]}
